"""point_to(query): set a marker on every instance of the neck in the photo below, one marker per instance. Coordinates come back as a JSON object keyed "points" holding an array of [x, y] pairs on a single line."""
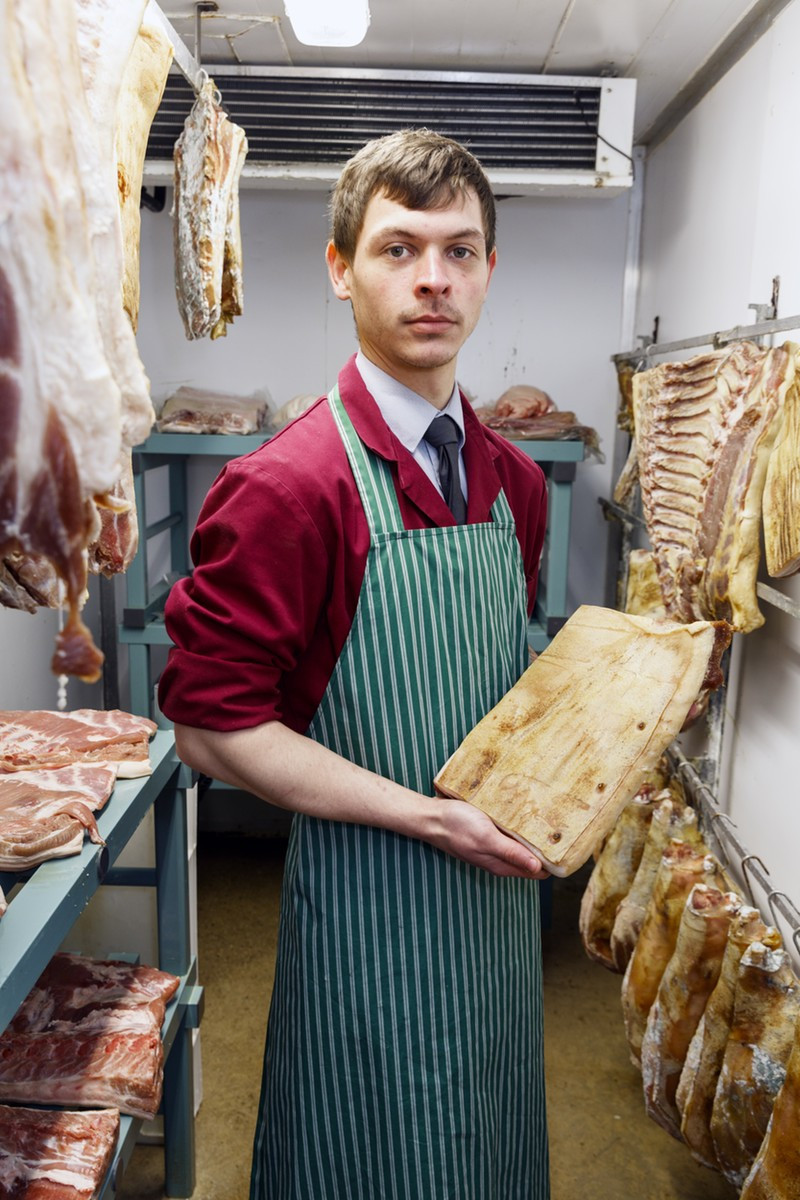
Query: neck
{"points": [[434, 384]]}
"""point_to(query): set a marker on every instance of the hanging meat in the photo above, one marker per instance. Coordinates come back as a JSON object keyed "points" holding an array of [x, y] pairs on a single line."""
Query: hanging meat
{"points": [[765, 1012], [775, 1174], [143, 81], [698, 1083], [781, 500], [704, 432], [209, 156], [73, 392], [682, 866], [54, 1154], [556, 761], [688, 981], [613, 875], [672, 820]]}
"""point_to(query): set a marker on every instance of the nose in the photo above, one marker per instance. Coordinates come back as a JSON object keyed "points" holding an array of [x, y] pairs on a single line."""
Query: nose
{"points": [[432, 276]]}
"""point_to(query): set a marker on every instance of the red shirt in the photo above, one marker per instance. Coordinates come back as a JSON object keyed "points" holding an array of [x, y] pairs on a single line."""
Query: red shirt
{"points": [[280, 550]]}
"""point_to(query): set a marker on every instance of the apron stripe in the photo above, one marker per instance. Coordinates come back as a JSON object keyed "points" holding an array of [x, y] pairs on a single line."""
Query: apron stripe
{"points": [[404, 1052]]}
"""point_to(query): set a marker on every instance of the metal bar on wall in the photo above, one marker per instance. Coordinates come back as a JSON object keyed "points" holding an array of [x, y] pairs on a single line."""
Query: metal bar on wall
{"points": [[718, 339]]}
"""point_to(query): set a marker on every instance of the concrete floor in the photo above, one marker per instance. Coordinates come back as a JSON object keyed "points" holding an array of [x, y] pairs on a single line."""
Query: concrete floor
{"points": [[602, 1143]]}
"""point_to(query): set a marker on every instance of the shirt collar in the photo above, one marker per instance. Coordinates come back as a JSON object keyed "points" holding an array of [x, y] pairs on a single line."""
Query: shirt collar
{"points": [[407, 414], [479, 452]]}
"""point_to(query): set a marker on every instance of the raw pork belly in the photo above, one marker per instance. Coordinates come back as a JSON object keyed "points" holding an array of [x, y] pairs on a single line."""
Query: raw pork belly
{"points": [[43, 814], [704, 432], [48, 1155], [41, 738], [88, 1034]]}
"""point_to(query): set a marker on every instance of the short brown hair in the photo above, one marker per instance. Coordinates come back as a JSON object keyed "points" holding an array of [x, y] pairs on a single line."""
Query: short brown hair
{"points": [[417, 168]]}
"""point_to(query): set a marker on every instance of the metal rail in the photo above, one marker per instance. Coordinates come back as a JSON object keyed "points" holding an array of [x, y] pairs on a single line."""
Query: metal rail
{"points": [[716, 340], [188, 65], [724, 831]]}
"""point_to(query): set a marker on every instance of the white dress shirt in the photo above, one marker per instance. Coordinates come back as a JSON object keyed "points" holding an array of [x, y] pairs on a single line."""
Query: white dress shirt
{"points": [[408, 415]]}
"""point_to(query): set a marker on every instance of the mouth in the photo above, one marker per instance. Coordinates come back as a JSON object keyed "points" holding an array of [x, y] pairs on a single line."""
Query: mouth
{"points": [[431, 323]]}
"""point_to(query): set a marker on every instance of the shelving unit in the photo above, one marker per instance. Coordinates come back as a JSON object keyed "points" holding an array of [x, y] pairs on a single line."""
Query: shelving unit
{"points": [[142, 625], [45, 903]]}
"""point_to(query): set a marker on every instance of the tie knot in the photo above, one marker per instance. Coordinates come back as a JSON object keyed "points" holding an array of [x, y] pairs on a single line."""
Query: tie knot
{"points": [[442, 431]]}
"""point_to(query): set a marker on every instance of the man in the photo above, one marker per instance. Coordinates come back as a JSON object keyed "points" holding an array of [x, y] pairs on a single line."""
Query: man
{"points": [[342, 633]]}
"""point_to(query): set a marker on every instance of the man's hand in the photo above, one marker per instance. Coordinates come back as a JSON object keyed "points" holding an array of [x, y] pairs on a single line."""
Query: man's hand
{"points": [[469, 834]]}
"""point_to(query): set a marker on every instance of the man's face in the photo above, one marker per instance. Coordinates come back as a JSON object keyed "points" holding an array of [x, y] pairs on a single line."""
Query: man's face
{"points": [[417, 283]]}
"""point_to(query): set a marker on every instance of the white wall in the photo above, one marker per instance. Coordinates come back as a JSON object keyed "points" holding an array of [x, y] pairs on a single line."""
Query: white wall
{"points": [[720, 220], [552, 319]]}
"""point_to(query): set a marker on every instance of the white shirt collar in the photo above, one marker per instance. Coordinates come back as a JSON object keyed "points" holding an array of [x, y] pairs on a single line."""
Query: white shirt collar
{"points": [[407, 414]]}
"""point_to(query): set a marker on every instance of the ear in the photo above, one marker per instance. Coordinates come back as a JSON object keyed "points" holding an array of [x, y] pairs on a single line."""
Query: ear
{"points": [[492, 263], [339, 272]]}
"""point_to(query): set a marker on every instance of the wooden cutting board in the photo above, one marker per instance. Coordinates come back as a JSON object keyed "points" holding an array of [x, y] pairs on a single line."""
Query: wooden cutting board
{"points": [[555, 762]]}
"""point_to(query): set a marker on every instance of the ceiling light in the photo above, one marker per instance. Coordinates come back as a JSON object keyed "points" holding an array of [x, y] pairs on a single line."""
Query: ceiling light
{"points": [[328, 22]]}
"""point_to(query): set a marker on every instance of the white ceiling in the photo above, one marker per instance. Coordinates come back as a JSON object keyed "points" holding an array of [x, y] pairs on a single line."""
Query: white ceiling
{"points": [[661, 43]]}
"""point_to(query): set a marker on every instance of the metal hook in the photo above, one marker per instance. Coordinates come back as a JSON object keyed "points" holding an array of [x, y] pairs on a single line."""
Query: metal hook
{"points": [[748, 858], [721, 816], [770, 898]]}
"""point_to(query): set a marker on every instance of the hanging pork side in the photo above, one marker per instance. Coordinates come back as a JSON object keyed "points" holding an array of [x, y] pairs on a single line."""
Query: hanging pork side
{"points": [[48, 1154], [781, 500], [688, 980], [765, 1012], [775, 1174], [704, 432], [613, 875], [698, 1083], [143, 82], [209, 156], [682, 866], [562, 753]]}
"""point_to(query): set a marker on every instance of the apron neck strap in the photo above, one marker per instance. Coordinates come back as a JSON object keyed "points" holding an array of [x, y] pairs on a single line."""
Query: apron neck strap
{"points": [[372, 474]]}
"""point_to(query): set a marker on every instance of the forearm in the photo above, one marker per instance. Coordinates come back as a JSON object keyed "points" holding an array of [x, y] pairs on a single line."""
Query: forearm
{"points": [[299, 774]]}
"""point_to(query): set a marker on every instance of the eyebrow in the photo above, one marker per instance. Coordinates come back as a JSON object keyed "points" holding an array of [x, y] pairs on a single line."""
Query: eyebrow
{"points": [[460, 235]]}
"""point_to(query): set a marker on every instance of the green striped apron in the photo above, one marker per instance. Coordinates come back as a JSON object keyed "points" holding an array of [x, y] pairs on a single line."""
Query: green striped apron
{"points": [[404, 1054]]}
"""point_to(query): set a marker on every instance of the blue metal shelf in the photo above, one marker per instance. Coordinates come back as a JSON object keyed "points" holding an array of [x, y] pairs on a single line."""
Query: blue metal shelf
{"points": [[44, 908]]}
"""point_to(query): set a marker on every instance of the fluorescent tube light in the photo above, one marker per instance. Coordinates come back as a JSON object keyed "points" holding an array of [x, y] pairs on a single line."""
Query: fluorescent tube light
{"points": [[328, 22]]}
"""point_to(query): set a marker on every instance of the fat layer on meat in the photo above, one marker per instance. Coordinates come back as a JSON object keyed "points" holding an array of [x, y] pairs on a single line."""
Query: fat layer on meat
{"points": [[704, 431], [55, 1154], [781, 500]]}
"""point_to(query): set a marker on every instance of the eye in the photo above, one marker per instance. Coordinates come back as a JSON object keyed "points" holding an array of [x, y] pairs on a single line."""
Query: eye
{"points": [[397, 251], [461, 252]]}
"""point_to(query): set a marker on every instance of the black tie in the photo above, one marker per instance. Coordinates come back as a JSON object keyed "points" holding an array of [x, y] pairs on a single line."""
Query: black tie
{"points": [[443, 434]]}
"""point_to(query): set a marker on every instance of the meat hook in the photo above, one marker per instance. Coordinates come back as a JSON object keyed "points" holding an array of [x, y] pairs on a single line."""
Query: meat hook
{"points": [[748, 858], [770, 899]]}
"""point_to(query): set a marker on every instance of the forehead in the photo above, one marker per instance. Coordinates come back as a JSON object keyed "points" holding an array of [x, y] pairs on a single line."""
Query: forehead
{"points": [[462, 216]]}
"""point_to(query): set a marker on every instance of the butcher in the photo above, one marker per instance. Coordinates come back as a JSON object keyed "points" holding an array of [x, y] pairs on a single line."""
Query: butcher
{"points": [[360, 599]]}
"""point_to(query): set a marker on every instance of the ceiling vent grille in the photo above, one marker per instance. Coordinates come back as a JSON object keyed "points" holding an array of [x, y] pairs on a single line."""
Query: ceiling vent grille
{"points": [[296, 117]]}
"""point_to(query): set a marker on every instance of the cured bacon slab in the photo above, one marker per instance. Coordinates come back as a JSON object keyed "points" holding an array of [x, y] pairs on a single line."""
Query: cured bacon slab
{"points": [[209, 155], [688, 981], [55, 1155], [88, 1034], [698, 1083], [682, 866], [556, 761], [704, 432], [765, 1012], [781, 500], [613, 875], [190, 410], [775, 1174], [40, 738]]}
